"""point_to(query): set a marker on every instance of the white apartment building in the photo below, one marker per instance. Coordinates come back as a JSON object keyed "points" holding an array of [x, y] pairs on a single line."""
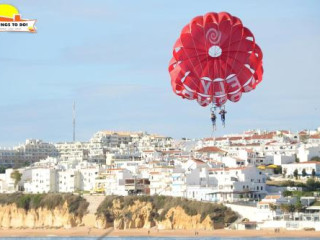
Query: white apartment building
{"points": [[179, 184], [31, 151], [112, 139], [307, 152], [6, 182], [161, 183], [43, 180], [9, 157], [115, 181], [314, 139], [68, 181], [232, 162], [210, 153], [88, 175], [73, 151], [200, 193], [233, 184], [279, 159]]}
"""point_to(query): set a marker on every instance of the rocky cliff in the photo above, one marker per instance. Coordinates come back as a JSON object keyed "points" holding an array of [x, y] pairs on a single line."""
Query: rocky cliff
{"points": [[120, 213], [163, 213], [13, 217]]}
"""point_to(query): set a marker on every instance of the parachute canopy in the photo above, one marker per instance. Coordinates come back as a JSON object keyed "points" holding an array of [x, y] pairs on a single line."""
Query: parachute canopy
{"points": [[215, 59]]}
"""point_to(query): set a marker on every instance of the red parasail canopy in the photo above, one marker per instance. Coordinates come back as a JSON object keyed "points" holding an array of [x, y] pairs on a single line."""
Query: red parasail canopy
{"points": [[215, 59]]}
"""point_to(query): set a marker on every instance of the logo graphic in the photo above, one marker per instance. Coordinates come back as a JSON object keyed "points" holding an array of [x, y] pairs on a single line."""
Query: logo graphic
{"points": [[11, 21]]}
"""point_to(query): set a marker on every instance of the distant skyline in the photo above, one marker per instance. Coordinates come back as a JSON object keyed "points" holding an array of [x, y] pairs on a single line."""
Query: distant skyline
{"points": [[111, 58]]}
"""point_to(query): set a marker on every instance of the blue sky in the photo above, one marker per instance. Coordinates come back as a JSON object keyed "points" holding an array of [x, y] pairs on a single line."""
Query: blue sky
{"points": [[111, 57]]}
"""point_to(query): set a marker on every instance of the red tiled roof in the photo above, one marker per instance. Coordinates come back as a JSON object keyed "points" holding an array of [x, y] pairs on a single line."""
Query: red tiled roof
{"points": [[235, 138], [208, 139], [268, 143], [315, 136], [211, 149], [220, 138], [284, 131], [198, 161], [261, 202], [272, 197], [265, 136]]}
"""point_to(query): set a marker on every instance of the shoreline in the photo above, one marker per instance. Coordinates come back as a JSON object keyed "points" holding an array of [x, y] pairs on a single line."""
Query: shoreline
{"points": [[110, 232]]}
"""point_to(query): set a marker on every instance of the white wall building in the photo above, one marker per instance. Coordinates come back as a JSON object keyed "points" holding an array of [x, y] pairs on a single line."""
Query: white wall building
{"points": [[7, 184], [307, 152], [308, 166], [279, 159], [68, 180], [43, 180]]}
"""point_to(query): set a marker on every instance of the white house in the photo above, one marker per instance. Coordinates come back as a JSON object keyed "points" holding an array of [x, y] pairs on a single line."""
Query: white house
{"points": [[68, 180], [7, 184], [43, 180], [87, 177], [115, 181], [280, 159], [307, 152], [233, 184]]}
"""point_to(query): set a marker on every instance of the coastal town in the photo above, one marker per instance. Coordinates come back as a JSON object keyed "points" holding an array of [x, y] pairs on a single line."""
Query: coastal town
{"points": [[270, 178]]}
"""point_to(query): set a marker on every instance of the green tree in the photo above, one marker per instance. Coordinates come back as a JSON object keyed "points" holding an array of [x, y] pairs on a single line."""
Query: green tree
{"points": [[273, 207], [277, 170], [16, 176], [286, 193], [284, 208], [284, 173], [295, 174], [304, 173], [296, 158], [317, 159], [312, 184], [313, 173], [291, 208], [287, 208], [2, 169]]}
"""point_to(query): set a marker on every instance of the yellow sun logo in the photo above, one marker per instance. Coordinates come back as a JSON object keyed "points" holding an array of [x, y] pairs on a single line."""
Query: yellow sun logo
{"points": [[11, 20], [8, 11]]}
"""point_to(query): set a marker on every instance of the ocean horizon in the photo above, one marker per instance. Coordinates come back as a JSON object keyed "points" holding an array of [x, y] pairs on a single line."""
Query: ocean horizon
{"points": [[155, 238]]}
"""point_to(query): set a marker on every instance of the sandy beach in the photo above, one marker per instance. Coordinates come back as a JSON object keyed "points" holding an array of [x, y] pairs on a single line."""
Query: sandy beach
{"points": [[93, 232]]}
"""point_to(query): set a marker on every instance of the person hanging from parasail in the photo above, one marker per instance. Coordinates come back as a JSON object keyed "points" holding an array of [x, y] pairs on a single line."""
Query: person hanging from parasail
{"points": [[223, 116], [213, 120], [214, 60]]}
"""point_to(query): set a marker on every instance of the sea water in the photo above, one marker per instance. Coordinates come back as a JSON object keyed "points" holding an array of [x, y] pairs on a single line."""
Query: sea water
{"points": [[152, 238]]}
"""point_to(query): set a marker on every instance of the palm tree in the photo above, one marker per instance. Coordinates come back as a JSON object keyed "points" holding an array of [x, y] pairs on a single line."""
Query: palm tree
{"points": [[304, 173], [273, 207], [16, 176], [295, 174]]}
